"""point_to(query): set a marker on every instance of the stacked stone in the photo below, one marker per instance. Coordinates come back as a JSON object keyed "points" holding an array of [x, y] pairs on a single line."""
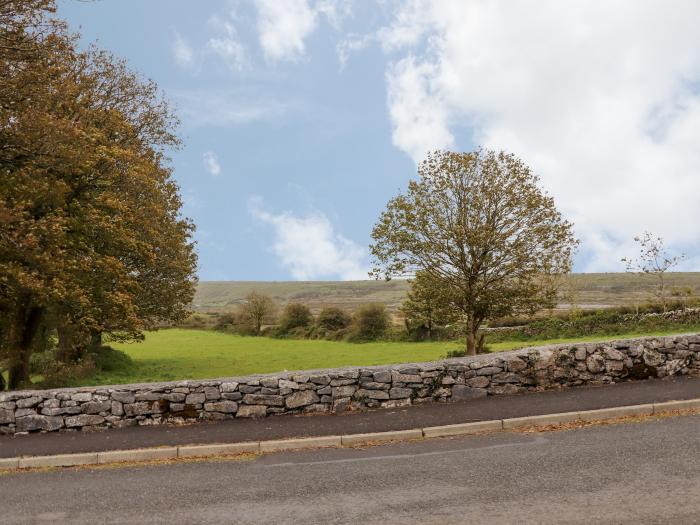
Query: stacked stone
{"points": [[338, 390]]}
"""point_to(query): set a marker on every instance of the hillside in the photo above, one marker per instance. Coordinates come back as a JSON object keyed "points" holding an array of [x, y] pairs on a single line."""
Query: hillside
{"points": [[592, 290]]}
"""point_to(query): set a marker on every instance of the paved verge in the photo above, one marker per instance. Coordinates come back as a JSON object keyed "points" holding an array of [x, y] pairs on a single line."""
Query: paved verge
{"points": [[436, 414]]}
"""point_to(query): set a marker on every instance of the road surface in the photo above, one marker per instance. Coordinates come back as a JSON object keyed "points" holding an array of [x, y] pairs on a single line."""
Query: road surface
{"points": [[626, 473]]}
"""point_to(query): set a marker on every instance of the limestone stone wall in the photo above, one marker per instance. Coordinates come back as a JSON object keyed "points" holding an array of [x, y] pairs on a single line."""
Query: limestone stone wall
{"points": [[354, 388]]}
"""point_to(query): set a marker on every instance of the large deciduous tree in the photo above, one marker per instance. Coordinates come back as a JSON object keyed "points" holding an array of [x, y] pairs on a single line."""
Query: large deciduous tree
{"points": [[91, 236], [479, 224]]}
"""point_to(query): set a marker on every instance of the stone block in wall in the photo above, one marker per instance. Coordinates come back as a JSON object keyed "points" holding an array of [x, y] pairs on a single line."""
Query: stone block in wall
{"points": [[301, 398], [652, 358], [195, 399], [371, 394], [465, 393], [344, 391], [263, 399], [400, 393], [320, 379], [477, 382], [83, 420], [28, 402], [489, 371], [374, 385], [227, 407], [382, 377], [341, 404], [148, 396], [595, 363], [123, 397], [254, 411], [400, 377], [95, 407], [117, 408], [7, 416], [269, 382], [36, 422]]}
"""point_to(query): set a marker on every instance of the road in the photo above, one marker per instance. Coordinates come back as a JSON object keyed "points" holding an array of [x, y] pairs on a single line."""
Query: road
{"points": [[627, 473]]}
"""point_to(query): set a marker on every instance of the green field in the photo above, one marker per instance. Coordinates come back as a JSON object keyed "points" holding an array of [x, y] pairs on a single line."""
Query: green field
{"points": [[175, 354], [592, 290]]}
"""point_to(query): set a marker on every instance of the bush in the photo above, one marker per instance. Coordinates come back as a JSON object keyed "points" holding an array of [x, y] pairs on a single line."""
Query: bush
{"points": [[226, 321], [332, 318], [295, 315], [196, 321], [56, 373], [370, 322]]}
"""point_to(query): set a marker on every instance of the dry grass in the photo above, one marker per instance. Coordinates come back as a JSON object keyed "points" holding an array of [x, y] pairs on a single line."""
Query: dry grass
{"points": [[574, 425]]}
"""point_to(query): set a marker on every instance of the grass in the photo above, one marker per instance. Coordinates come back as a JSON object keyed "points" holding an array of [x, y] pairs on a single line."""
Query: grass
{"points": [[175, 354]]}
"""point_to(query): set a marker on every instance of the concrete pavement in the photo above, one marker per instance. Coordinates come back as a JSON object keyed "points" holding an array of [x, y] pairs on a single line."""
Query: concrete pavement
{"points": [[434, 414], [627, 473]]}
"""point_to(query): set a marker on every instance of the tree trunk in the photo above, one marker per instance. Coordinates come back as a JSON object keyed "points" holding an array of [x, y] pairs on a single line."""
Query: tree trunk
{"points": [[95, 341], [472, 339], [25, 327], [65, 352], [471, 342], [480, 344]]}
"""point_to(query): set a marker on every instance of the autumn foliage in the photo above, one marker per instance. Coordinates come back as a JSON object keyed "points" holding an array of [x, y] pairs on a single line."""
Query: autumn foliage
{"points": [[91, 237]]}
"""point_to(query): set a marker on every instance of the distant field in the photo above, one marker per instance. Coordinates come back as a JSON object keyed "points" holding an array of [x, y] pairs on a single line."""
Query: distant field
{"points": [[593, 290], [174, 354]]}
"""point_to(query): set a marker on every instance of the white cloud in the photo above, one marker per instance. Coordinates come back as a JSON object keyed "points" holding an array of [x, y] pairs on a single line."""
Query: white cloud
{"points": [[223, 108], [601, 99], [184, 56], [211, 163], [283, 27], [352, 44], [227, 43], [310, 247]]}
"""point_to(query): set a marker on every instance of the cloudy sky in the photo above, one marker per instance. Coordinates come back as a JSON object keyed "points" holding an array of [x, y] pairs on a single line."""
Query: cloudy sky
{"points": [[301, 118]]}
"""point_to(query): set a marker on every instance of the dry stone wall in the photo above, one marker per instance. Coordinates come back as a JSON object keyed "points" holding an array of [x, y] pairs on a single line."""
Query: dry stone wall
{"points": [[337, 390]]}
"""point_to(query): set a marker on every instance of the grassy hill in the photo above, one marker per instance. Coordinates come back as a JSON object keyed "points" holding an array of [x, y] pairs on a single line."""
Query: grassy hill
{"points": [[591, 290]]}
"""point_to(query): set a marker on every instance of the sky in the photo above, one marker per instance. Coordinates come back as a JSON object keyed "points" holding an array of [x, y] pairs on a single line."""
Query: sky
{"points": [[302, 118]]}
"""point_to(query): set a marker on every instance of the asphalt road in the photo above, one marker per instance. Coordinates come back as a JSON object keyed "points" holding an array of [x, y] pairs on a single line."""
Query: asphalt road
{"points": [[432, 414], [626, 473]]}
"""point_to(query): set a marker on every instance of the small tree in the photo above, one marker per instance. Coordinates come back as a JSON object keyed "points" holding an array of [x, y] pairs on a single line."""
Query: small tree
{"points": [[257, 309], [333, 318], [295, 315], [429, 304], [480, 224], [653, 259], [371, 321]]}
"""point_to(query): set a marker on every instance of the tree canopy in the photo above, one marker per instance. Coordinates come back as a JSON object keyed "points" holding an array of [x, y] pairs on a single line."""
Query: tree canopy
{"points": [[91, 236], [479, 224]]}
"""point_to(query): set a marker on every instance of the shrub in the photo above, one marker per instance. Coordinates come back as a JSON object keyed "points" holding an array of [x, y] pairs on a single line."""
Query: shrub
{"points": [[197, 321], [226, 321], [459, 352], [295, 315], [333, 318], [370, 322], [56, 373]]}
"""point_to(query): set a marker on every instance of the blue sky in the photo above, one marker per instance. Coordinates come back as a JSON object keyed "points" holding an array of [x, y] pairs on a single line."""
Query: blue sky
{"points": [[300, 119]]}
